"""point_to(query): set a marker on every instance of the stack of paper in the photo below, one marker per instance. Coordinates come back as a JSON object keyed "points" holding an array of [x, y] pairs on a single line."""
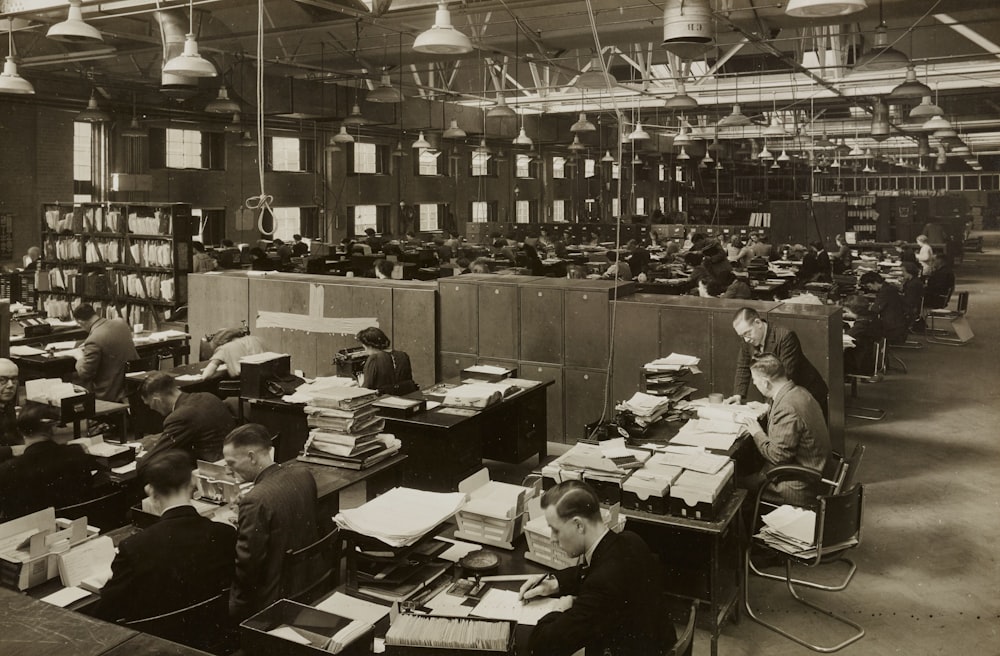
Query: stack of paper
{"points": [[666, 378], [792, 530], [608, 461], [474, 395], [402, 515], [713, 434], [689, 457], [304, 393], [647, 408], [726, 412]]}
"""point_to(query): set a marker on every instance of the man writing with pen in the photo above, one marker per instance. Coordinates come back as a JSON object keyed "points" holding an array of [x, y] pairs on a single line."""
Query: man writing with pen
{"points": [[619, 608]]}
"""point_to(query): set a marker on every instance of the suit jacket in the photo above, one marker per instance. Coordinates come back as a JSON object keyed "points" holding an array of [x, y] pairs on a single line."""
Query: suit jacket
{"points": [[892, 313], [178, 561], [278, 514], [796, 435], [619, 607], [783, 344], [105, 351], [9, 435], [46, 474], [198, 425]]}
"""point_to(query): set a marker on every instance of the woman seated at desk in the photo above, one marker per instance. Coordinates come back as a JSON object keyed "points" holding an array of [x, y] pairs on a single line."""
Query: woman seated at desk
{"points": [[231, 345], [386, 371]]}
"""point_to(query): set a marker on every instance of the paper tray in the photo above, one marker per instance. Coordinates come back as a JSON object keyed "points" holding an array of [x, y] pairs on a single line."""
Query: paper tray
{"points": [[255, 641]]}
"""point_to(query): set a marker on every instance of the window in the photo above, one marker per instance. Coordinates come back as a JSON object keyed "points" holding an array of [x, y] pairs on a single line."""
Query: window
{"points": [[662, 172], [679, 174], [287, 222], [428, 217], [559, 211], [368, 158], [616, 207], [430, 162], [663, 204], [483, 211], [588, 168], [285, 154], [640, 205], [616, 170], [523, 211], [522, 167], [82, 148], [481, 164], [183, 149], [558, 168], [365, 216]]}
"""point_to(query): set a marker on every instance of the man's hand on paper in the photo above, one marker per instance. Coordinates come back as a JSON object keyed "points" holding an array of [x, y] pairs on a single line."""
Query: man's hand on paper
{"points": [[753, 427], [734, 399], [543, 585]]}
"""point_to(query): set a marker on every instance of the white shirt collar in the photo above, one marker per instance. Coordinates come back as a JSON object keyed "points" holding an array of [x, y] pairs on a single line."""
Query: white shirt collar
{"points": [[590, 552]]}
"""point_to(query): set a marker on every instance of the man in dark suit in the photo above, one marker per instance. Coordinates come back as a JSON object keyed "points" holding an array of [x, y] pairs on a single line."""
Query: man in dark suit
{"points": [[11, 443], [760, 337], [796, 433], [100, 362], [619, 608], [888, 306], [46, 474], [195, 423], [278, 514], [180, 560]]}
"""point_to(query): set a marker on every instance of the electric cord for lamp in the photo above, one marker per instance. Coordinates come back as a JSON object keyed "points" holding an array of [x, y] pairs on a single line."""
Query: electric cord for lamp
{"points": [[262, 202]]}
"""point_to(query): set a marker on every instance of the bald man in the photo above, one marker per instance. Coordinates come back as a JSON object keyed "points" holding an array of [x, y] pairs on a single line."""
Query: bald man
{"points": [[11, 442]]}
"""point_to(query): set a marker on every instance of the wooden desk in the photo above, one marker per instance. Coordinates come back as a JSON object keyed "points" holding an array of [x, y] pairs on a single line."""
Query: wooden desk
{"points": [[331, 481], [57, 366], [445, 447]]}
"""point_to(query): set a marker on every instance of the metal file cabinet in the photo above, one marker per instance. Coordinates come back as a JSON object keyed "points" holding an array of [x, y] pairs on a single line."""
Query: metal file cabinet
{"points": [[587, 326], [583, 394], [542, 321], [554, 404], [499, 319], [450, 365], [638, 338], [458, 326]]}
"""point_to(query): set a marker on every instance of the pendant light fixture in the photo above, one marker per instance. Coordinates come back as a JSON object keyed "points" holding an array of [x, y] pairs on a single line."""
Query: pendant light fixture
{"points": [[522, 139], [384, 92], [824, 8], [683, 155], [234, 126], [442, 38], [356, 117], [189, 63], [343, 137], [784, 157], [247, 140], [597, 76], [134, 130], [911, 87], [453, 131], [775, 129], [882, 56], [399, 151], [680, 100], [638, 134], [10, 80], [583, 125], [735, 119], [880, 128], [222, 104], [74, 29], [925, 110], [577, 145], [765, 153], [93, 113], [332, 146], [936, 123], [775, 165], [607, 157], [501, 109], [421, 142]]}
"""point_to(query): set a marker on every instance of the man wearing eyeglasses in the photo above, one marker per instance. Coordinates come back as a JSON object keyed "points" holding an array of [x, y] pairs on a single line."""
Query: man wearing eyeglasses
{"points": [[759, 338], [11, 442]]}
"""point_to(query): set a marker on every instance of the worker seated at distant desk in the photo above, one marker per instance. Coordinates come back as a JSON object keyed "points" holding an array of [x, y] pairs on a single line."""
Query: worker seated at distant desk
{"points": [[229, 346], [180, 560], [386, 370], [796, 433], [47, 474], [618, 268], [888, 306], [866, 330], [194, 423], [619, 608]]}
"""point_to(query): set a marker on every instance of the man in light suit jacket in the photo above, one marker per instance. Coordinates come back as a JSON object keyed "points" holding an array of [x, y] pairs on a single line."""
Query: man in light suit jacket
{"points": [[195, 423], [100, 367], [619, 608], [760, 337], [180, 560], [278, 514], [796, 433]]}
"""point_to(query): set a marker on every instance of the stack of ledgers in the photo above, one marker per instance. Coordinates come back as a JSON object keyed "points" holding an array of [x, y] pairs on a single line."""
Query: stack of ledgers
{"points": [[647, 408], [479, 394], [69, 249], [158, 224], [609, 461], [665, 378], [103, 250], [157, 286], [344, 429], [151, 253]]}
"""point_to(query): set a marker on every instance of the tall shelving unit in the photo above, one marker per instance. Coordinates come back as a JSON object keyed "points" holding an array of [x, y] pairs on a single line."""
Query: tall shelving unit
{"points": [[129, 260]]}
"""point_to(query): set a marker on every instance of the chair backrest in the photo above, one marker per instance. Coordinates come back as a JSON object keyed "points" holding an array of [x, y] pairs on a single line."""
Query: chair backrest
{"points": [[199, 625], [295, 560], [107, 512], [962, 306], [881, 348], [684, 640], [838, 521], [852, 465]]}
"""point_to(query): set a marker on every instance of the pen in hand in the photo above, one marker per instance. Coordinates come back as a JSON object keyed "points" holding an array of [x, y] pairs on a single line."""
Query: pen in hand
{"points": [[531, 585]]}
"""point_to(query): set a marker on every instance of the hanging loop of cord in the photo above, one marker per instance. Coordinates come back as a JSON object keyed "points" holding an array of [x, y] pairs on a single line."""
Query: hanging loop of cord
{"points": [[262, 201]]}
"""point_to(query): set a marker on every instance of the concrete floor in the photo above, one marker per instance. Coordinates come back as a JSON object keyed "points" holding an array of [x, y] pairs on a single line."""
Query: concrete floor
{"points": [[928, 578]]}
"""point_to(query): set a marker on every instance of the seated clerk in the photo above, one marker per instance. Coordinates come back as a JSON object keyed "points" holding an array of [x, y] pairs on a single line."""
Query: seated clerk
{"points": [[383, 269], [940, 283], [46, 474], [462, 266], [760, 337], [279, 513], [229, 346], [386, 371], [913, 292], [193, 423], [11, 442], [180, 560], [619, 608], [734, 287], [299, 247], [842, 259], [480, 265], [796, 433], [888, 306], [618, 268], [373, 240], [866, 331], [532, 261]]}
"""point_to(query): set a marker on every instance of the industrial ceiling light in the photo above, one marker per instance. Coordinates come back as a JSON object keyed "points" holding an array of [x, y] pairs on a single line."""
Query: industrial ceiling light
{"points": [[926, 109], [421, 142], [482, 148], [945, 133], [823, 8], [343, 137], [74, 29], [636, 160], [356, 117], [688, 28], [784, 157], [442, 38], [856, 151], [522, 139], [247, 141], [881, 57], [453, 131], [775, 129], [707, 159], [607, 157], [868, 168], [501, 109], [332, 146], [234, 126], [880, 128], [384, 92], [736, 119], [93, 113], [910, 88], [775, 165], [765, 153], [222, 104], [134, 130], [189, 63], [683, 138], [836, 163], [935, 123], [582, 125], [399, 151], [683, 155], [577, 145], [638, 134], [597, 76], [10, 81], [680, 100]]}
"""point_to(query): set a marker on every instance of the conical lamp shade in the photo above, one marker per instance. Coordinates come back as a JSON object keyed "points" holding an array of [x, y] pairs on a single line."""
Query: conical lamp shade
{"points": [[577, 146], [925, 110], [93, 113], [11, 82], [356, 118], [332, 146], [582, 125], [683, 155], [823, 8], [342, 136], [442, 38], [234, 126], [910, 87], [74, 29], [421, 142], [222, 104], [736, 119], [501, 109], [134, 130], [453, 131], [190, 63], [384, 92], [522, 139], [638, 134], [607, 157]]}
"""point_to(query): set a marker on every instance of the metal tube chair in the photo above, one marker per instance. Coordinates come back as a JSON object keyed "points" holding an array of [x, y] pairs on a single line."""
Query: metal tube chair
{"points": [[862, 412], [960, 333]]}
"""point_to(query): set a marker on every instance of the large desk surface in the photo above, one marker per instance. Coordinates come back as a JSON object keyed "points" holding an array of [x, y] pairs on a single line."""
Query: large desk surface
{"points": [[56, 366]]}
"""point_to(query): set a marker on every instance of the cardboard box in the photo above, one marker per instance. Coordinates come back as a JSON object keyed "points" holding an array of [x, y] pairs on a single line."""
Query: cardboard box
{"points": [[647, 489], [700, 496], [402, 650], [494, 511], [256, 641], [29, 544]]}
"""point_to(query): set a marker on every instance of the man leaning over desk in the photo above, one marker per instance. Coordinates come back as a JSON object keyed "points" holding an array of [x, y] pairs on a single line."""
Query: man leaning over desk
{"points": [[100, 360], [760, 337], [619, 608]]}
